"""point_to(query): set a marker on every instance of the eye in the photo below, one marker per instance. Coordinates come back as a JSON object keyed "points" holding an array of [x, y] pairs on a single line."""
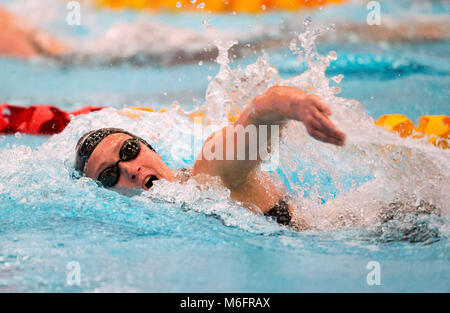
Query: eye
{"points": [[130, 149], [109, 176]]}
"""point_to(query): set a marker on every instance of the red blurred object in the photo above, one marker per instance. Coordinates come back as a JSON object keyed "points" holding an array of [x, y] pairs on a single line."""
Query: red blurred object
{"points": [[36, 119]]}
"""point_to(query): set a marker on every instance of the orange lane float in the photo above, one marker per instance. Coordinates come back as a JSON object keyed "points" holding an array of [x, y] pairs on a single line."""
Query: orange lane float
{"points": [[437, 127], [246, 6]]}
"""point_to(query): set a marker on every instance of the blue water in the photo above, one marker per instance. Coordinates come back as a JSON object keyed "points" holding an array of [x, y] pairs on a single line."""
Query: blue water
{"points": [[384, 81], [138, 244]]}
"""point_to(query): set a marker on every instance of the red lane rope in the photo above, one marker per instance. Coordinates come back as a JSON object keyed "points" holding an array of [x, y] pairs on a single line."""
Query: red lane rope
{"points": [[36, 119]]}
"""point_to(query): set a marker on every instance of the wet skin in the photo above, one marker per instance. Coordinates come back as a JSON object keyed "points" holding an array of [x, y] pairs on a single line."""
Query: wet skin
{"points": [[133, 173]]}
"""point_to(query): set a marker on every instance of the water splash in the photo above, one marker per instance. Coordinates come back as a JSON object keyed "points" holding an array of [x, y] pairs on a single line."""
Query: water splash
{"points": [[334, 188], [374, 169]]}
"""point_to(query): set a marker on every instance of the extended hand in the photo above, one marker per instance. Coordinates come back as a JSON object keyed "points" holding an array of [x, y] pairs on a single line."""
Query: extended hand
{"points": [[311, 110]]}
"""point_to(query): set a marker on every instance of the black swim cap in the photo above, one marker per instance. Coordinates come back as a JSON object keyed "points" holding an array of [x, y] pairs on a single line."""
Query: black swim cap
{"points": [[89, 141]]}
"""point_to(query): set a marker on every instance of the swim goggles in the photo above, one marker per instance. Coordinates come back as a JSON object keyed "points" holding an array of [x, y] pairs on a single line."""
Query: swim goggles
{"points": [[129, 151]]}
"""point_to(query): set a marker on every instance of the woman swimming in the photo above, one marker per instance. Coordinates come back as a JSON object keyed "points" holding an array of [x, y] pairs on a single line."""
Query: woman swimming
{"points": [[116, 158]]}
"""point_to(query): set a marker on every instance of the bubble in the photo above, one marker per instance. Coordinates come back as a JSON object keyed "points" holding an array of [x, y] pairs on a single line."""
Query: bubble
{"points": [[201, 6], [178, 5], [200, 63]]}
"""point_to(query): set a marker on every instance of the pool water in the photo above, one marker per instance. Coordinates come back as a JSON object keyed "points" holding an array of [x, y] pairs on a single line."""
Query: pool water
{"points": [[175, 238]]}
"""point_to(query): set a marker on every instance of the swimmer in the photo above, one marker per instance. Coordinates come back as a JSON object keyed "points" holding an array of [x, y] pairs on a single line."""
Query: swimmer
{"points": [[19, 38], [174, 45], [116, 158]]}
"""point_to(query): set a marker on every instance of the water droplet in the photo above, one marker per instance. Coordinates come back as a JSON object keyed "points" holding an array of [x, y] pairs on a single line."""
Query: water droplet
{"points": [[263, 7], [201, 6], [307, 20], [178, 4], [332, 55], [336, 90], [337, 78], [200, 63], [193, 1], [18, 135], [293, 46]]}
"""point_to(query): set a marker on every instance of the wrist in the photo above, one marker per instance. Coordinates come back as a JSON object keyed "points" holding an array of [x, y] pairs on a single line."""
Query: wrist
{"points": [[285, 100], [264, 108]]}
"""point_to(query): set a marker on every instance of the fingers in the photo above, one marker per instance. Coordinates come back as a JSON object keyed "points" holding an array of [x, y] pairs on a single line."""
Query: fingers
{"points": [[321, 128], [324, 124], [314, 112], [320, 104], [327, 125], [317, 134]]}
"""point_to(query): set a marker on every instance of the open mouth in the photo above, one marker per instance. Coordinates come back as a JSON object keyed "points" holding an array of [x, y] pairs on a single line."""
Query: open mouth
{"points": [[149, 181]]}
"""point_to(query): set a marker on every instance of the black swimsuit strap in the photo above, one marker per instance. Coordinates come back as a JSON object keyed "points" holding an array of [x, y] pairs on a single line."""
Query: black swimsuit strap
{"points": [[281, 213]]}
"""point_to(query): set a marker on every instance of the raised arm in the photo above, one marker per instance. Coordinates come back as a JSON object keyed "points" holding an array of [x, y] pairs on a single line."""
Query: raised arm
{"points": [[220, 153]]}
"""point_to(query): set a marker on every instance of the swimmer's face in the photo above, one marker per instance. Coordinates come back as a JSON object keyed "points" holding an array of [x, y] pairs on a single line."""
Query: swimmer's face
{"points": [[139, 172]]}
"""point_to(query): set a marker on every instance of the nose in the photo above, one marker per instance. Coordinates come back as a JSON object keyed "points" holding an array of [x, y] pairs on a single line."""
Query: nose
{"points": [[129, 170]]}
